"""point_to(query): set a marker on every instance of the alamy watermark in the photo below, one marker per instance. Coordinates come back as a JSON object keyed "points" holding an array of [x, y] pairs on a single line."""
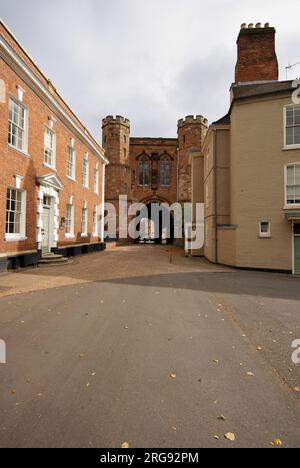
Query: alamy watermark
{"points": [[2, 352], [156, 221], [296, 353], [296, 93]]}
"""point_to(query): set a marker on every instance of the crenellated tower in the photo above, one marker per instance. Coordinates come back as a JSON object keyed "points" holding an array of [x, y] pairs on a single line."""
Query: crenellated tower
{"points": [[191, 134], [116, 142]]}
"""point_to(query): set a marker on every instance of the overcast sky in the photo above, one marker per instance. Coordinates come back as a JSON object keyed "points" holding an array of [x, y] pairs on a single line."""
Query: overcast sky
{"points": [[153, 61]]}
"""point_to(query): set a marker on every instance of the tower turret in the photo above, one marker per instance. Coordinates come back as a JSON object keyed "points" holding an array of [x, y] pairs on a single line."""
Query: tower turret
{"points": [[191, 133], [116, 142]]}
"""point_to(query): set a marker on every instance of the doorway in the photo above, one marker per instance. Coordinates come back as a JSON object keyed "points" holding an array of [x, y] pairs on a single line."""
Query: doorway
{"points": [[158, 225], [297, 249], [46, 229]]}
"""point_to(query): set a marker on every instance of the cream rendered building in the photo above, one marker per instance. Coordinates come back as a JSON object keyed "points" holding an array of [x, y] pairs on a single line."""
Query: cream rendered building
{"points": [[251, 165]]}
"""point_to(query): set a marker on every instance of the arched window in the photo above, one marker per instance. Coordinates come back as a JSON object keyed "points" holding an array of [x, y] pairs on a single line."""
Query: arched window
{"points": [[144, 171], [165, 172]]}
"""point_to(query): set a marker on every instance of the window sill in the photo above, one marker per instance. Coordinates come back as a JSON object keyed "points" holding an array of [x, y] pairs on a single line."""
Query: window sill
{"points": [[15, 238], [53, 168], [265, 237], [23, 152], [71, 179], [84, 236], [69, 236], [290, 147], [291, 207]]}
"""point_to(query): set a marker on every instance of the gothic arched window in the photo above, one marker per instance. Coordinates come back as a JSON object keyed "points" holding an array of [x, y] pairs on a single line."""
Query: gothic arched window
{"points": [[144, 171], [165, 172]]}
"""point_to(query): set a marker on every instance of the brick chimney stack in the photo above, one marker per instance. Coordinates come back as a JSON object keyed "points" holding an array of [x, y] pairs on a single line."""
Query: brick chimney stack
{"points": [[257, 60]]}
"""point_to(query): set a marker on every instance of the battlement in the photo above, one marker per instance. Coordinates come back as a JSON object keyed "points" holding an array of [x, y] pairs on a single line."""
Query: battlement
{"points": [[118, 120], [191, 119]]}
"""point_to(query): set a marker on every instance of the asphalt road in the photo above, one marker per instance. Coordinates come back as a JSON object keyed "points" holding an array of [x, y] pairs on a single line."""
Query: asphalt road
{"points": [[133, 348]]}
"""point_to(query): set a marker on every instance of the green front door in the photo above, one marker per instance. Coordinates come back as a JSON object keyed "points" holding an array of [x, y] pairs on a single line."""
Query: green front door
{"points": [[297, 255]]}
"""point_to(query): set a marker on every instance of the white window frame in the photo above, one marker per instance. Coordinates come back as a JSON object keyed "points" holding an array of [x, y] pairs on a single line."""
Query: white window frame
{"points": [[24, 149], [84, 222], [96, 180], [85, 171], [73, 175], [70, 235], [95, 221], [21, 236], [285, 145], [264, 234], [286, 204], [53, 165]]}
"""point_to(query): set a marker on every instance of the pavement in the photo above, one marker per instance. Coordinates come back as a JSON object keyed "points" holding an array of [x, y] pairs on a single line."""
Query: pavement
{"points": [[141, 345]]}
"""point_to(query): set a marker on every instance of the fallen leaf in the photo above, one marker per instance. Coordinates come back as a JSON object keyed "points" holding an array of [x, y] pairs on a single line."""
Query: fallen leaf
{"points": [[250, 374], [174, 428], [230, 436], [81, 355], [222, 418], [297, 389], [13, 392], [88, 384], [216, 361], [40, 395], [125, 445], [259, 348], [277, 443], [216, 437], [173, 376], [93, 374]]}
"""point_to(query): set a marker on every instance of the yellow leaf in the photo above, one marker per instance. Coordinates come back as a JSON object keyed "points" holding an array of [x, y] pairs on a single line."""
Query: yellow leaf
{"points": [[230, 436], [173, 376], [125, 445], [277, 443]]}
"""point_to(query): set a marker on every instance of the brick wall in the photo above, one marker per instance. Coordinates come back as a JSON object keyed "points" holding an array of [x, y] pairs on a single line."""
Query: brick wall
{"points": [[257, 60], [31, 166]]}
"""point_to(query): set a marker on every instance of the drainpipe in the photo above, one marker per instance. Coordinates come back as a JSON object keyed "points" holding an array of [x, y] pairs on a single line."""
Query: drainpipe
{"points": [[215, 164], [103, 202]]}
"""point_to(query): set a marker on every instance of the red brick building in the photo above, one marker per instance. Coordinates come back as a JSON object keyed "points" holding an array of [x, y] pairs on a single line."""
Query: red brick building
{"points": [[52, 169], [150, 170]]}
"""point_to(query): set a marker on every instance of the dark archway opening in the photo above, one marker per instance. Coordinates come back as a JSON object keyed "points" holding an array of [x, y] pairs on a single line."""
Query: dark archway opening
{"points": [[156, 226]]}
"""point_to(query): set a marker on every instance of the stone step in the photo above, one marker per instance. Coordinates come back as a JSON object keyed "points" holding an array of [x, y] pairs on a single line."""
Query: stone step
{"points": [[53, 261], [51, 256]]}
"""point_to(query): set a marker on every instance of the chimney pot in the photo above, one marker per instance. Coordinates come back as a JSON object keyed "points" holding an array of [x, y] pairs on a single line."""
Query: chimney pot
{"points": [[251, 26], [244, 26], [258, 25], [267, 25]]}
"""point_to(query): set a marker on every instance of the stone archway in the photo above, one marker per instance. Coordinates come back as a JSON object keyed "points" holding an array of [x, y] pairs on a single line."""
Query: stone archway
{"points": [[157, 227]]}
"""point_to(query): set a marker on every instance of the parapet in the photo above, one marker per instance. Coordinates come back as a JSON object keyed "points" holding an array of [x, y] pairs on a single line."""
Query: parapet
{"points": [[191, 119], [118, 120]]}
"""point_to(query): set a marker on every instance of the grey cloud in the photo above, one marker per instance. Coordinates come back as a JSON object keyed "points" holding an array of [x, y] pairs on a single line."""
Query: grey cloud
{"points": [[154, 62]]}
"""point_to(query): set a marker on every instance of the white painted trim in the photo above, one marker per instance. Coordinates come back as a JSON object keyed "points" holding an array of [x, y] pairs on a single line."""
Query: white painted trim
{"points": [[287, 206], [25, 70], [287, 147], [103, 203], [14, 238], [54, 213], [22, 235], [50, 166], [19, 103], [264, 235]]}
